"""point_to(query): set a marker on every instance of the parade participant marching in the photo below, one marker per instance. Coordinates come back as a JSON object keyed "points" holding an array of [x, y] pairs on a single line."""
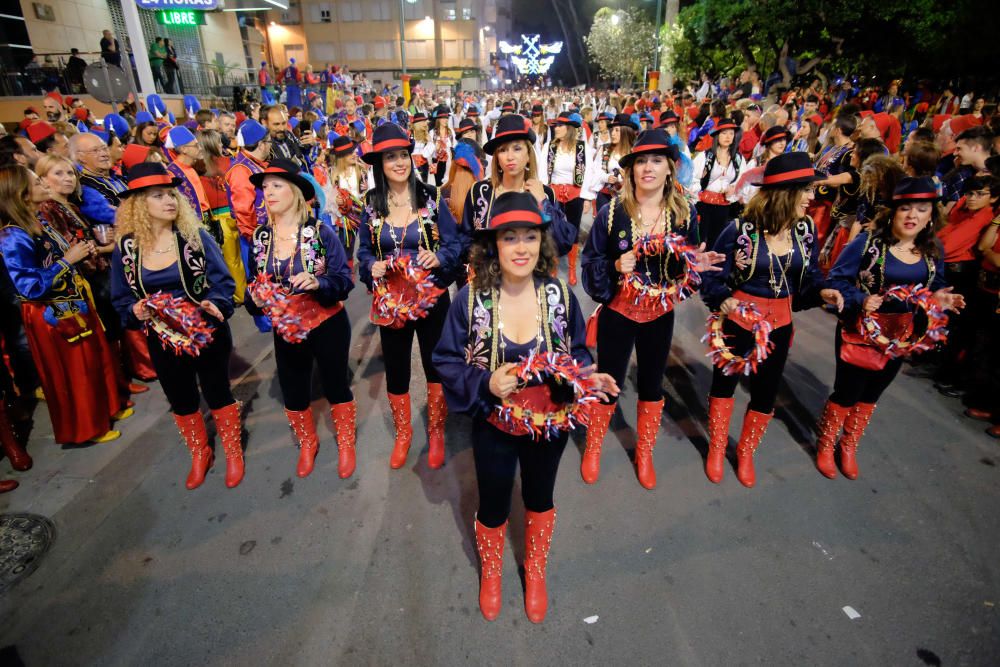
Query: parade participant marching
{"points": [[629, 267], [420, 134], [716, 172], [76, 366], [901, 253], [774, 141], [514, 169], [164, 253], [604, 178], [440, 144], [834, 163], [304, 263], [245, 201], [515, 313], [566, 162], [345, 186], [771, 265], [213, 183], [406, 227]]}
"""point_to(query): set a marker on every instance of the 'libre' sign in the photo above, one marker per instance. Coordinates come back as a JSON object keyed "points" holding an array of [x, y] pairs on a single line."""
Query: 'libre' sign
{"points": [[180, 17], [200, 5]]}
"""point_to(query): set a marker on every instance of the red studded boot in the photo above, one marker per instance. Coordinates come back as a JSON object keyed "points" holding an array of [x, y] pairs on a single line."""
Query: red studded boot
{"points": [[537, 541], [192, 428], [229, 425], [829, 428], [437, 413], [345, 419], [754, 426], [854, 428], [304, 428], [490, 543], [720, 411], [647, 426], [600, 417], [16, 454], [399, 404], [571, 258]]}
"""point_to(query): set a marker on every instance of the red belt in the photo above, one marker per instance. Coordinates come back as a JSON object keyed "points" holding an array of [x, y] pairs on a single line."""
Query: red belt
{"points": [[776, 311], [566, 193], [716, 198]]}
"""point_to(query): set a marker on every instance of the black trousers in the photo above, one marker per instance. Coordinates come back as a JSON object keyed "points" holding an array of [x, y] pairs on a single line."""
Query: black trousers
{"points": [[617, 335], [424, 171], [853, 384], [100, 285], [956, 362], [602, 201], [574, 211], [329, 345], [397, 347], [712, 220], [181, 375], [496, 456], [764, 383], [984, 378]]}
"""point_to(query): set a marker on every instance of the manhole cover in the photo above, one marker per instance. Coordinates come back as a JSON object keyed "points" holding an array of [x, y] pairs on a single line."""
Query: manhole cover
{"points": [[24, 539]]}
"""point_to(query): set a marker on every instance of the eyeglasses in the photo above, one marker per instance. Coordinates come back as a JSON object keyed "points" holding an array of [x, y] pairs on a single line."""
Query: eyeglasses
{"points": [[978, 193], [99, 149]]}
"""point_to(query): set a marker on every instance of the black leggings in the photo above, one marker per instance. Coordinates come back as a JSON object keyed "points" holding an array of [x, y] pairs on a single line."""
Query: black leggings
{"points": [[496, 455], [329, 344], [574, 211], [617, 334], [397, 347], [712, 220], [854, 384], [764, 383], [424, 172], [602, 201], [181, 374]]}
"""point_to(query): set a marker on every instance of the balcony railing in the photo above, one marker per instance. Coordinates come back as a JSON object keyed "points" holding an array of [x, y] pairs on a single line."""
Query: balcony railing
{"points": [[49, 71]]}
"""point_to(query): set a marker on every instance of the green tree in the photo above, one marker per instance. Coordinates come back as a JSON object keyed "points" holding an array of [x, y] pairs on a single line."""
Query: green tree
{"points": [[621, 43]]}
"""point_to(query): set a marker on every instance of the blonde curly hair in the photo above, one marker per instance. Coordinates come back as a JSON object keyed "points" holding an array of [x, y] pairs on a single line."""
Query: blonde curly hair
{"points": [[133, 218]]}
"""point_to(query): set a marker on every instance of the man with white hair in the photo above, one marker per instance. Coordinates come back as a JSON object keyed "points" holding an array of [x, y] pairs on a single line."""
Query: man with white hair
{"points": [[99, 186]]}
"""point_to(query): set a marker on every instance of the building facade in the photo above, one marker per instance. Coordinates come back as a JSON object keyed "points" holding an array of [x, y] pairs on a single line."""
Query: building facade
{"points": [[446, 41]]}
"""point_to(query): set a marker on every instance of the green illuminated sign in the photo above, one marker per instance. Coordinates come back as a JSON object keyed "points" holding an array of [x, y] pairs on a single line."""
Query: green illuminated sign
{"points": [[180, 17]]}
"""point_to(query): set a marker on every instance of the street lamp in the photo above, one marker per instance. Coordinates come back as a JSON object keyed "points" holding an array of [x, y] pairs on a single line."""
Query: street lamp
{"points": [[616, 18]]}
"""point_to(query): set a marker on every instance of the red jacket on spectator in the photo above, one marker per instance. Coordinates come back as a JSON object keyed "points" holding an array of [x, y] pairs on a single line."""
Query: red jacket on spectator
{"points": [[962, 232]]}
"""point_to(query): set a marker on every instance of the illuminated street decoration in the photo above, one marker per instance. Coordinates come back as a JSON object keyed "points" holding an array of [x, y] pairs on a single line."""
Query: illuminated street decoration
{"points": [[531, 58]]}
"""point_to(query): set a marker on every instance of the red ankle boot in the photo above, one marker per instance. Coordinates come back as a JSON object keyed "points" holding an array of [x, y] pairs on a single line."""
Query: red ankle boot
{"points": [[490, 543], [345, 419], [437, 413], [854, 428], [229, 426], [192, 428], [720, 411], [600, 418], [537, 541], [304, 428], [16, 454], [647, 426], [571, 258], [829, 428], [399, 404], [754, 426]]}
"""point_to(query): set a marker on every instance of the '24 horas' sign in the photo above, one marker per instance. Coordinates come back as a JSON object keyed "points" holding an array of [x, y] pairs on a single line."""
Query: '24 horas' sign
{"points": [[205, 5]]}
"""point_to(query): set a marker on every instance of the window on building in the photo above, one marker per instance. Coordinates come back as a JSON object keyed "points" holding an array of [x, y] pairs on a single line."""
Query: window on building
{"points": [[322, 52], [292, 15], [380, 10], [419, 49], [320, 12], [448, 11], [415, 12], [466, 13], [354, 51], [351, 11], [465, 9], [383, 50]]}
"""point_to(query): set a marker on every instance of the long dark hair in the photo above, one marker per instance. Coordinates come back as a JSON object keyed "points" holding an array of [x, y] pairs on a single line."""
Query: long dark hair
{"points": [[926, 241], [378, 196]]}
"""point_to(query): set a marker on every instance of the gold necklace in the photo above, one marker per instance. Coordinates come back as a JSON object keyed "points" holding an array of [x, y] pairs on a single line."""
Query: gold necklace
{"points": [[539, 336]]}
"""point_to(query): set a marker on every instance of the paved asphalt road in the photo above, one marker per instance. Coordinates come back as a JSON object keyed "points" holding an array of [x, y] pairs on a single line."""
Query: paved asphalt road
{"points": [[380, 569]]}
